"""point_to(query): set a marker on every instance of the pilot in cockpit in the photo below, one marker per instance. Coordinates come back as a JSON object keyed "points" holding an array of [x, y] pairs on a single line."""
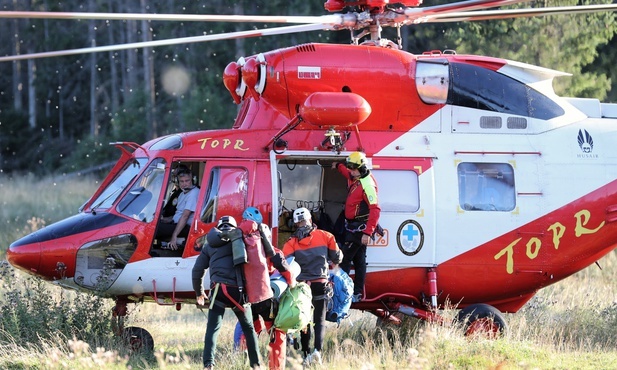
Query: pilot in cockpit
{"points": [[173, 227]]}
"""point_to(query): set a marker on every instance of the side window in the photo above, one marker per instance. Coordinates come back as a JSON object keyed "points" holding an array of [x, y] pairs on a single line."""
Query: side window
{"points": [[226, 194], [141, 201], [398, 190], [480, 88], [486, 187]]}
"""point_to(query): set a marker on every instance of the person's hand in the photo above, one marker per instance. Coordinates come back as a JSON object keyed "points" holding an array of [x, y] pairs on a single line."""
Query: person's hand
{"points": [[201, 300], [365, 239], [334, 164], [289, 277], [293, 281], [173, 243]]}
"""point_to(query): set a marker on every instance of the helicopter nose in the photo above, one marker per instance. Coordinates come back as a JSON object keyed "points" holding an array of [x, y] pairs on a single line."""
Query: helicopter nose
{"points": [[25, 256]]}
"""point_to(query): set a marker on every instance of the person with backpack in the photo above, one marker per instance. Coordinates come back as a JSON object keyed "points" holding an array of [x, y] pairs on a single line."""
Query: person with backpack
{"points": [[361, 216], [220, 255], [312, 248], [263, 259]]}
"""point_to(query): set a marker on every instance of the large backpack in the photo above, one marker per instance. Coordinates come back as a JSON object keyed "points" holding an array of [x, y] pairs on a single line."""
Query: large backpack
{"points": [[295, 308], [342, 289]]}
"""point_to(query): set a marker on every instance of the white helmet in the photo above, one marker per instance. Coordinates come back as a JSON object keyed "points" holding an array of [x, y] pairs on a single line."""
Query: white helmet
{"points": [[302, 214], [227, 220]]}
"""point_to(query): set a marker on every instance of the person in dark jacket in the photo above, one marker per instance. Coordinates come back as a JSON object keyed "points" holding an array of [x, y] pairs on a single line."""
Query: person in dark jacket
{"points": [[226, 287], [311, 249]]}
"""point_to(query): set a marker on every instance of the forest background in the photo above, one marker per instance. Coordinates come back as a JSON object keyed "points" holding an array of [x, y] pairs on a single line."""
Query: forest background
{"points": [[58, 115]]}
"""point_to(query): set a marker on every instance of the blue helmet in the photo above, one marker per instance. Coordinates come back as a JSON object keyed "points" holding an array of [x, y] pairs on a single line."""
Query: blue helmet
{"points": [[253, 214]]}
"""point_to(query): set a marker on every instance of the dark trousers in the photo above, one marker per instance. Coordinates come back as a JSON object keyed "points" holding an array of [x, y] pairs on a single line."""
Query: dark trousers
{"points": [[319, 319], [215, 320], [355, 252], [166, 230]]}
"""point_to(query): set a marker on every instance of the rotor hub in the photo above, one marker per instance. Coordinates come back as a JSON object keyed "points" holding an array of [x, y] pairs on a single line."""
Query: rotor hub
{"points": [[374, 6]]}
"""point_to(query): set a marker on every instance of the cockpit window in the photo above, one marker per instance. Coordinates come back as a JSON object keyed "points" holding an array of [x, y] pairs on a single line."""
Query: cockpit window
{"points": [[168, 143], [122, 180], [480, 88], [140, 202]]}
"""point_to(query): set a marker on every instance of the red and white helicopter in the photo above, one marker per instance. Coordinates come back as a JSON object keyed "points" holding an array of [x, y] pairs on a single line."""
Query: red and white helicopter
{"points": [[477, 209]]}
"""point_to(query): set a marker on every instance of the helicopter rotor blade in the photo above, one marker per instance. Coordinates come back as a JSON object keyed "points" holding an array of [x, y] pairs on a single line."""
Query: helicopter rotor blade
{"points": [[516, 13], [462, 6], [182, 40], [413, 15], [470, 10], [324, 19], [348, 20]]}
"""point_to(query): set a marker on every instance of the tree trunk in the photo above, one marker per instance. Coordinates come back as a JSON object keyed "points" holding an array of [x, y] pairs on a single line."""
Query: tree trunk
{"points": [[60, 108], [17, 81], [148, 61], [115, 99], [31, 92], [131, 31], [240, 50], [94, 126]]}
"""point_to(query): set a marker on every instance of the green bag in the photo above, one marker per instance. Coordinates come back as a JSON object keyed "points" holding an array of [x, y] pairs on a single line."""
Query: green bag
{"points": [[295, 308]]}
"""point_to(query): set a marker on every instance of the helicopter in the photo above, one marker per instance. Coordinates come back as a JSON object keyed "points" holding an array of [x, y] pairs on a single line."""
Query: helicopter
{"points": [[473, 200]]}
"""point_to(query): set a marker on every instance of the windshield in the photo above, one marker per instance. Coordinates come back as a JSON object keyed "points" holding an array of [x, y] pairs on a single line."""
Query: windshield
{"points": [[140, 202], [115, 188]]}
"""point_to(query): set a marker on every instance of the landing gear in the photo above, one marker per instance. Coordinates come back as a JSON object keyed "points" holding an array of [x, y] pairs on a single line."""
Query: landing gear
{"points": [[483, 320], [136, 339], [477, 320]]}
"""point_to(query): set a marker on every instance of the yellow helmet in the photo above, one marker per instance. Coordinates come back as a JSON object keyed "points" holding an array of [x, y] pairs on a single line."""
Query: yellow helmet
{"points": [[355, 160]]}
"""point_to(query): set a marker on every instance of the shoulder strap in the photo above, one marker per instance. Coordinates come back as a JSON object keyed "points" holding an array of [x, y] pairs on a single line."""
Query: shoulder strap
{"points": [[239, 277]]}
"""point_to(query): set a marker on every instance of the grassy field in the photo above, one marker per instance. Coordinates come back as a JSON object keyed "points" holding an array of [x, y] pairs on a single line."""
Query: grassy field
{"points": [[569, 325]]}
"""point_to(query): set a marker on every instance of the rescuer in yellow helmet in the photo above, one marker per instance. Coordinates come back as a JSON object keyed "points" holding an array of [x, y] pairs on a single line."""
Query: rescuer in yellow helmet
{"points": [[361, 216]]}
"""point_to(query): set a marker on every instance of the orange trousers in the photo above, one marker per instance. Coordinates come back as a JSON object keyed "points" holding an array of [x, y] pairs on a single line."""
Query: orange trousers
{"points": [[277, 346]]}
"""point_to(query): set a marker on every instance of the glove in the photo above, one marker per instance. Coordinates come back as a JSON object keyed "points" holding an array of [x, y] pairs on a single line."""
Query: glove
{"points": [[288, 275], [265, 241]]}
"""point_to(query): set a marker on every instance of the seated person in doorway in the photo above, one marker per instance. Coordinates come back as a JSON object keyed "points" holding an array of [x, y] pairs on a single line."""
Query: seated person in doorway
{"points": [[170, 206], [178, 225]]}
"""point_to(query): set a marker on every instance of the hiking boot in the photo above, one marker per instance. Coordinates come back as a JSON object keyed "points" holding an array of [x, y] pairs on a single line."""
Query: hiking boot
{"points": [[316, 357], [307, 361], [356, 298]]}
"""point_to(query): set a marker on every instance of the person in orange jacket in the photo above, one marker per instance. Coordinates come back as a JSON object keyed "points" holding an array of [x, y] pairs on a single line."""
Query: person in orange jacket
{"points": [[312, 248]]}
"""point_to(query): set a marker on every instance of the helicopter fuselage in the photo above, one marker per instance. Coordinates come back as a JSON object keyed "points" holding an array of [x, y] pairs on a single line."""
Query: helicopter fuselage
{"points": [[487, 179]]}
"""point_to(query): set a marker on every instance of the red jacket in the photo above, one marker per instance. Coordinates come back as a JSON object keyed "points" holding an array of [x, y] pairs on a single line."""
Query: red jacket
{"points": [[361, 199], [256, 274]]}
